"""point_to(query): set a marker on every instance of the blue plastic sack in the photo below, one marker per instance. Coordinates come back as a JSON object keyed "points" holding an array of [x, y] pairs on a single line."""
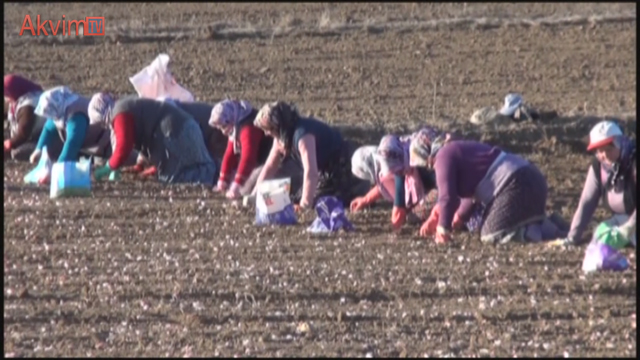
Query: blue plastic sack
{"points": [[41, 170], [331, 216], [273, 204], [71, 178]]}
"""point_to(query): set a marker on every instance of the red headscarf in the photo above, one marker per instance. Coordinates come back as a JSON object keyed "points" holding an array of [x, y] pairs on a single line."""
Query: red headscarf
{"points": [[15, 86]]}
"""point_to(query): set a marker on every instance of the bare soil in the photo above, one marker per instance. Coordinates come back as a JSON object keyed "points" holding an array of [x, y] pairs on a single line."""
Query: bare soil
{"points": [[140, 269]]}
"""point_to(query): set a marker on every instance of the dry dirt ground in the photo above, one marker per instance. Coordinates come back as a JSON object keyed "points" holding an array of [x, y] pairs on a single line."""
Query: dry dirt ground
{"points": [[139, 269]]}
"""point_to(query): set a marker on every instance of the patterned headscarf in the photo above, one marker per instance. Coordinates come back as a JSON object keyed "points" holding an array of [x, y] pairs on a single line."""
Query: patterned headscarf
{"points": [[365, 164], [394, 153], [54, 102], [425, 144], [230, 113], [280, 118], [100, 108]]}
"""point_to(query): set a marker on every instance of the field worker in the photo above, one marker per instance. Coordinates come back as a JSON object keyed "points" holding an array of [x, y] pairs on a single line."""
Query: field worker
{"points": [[21, 95], [413, 185], [247, 145], [511, 190], [366, 165], [214, 139], [612, 178], [320, 149], [168, 137], [66, 114]]}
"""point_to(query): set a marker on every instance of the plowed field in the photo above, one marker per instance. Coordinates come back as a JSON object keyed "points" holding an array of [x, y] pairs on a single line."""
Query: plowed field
{"points": [[145, 270]]}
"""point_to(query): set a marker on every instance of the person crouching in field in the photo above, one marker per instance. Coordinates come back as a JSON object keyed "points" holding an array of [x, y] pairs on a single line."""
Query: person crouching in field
{"points": [[412, 185], [214, 139], [385, 174], [612, 177], [324, 155], [66, 114], [247, 146], [366, 165], [511, 190], [168, 137], [22, 95]]}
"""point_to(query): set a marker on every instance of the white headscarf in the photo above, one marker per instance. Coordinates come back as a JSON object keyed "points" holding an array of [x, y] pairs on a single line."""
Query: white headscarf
{"points": [[230, 113], [365, 164], [100, 108], [54, 102]]}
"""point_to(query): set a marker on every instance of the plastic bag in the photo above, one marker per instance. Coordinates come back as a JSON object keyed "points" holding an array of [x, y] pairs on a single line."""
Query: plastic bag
{"points": [[331, 217], [71, 178], [156, 81], [41, 170], [273, 204], [602, 253], [608, 234], [600, 256]]}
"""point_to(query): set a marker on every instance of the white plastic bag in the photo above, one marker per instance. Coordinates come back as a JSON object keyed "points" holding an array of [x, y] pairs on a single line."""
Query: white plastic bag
{"points": [[42, 170], [156, 81], [273, 204], [71, 178]]}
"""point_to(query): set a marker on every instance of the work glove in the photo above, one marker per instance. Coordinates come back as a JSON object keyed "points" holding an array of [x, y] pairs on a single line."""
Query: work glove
{"points": [[102, 172], [115, 176], [429, 226], [234, 191], [45, 179], [361, 202], [151, 171], [398, 217], [35, 156], [135, 169]]}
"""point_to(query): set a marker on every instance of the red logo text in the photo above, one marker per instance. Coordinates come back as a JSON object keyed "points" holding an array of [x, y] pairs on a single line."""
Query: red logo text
{"points": [[91, 26]]}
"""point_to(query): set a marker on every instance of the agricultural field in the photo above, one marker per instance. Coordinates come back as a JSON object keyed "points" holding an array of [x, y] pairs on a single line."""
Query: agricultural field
{"points": [[140, 269]]}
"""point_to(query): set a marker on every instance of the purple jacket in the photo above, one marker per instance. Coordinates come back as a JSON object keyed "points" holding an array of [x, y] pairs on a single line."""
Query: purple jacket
{"points": [[460, 166]]}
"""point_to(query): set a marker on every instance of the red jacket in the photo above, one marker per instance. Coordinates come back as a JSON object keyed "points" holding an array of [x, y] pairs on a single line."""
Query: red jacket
{"points": [[250, 138]]}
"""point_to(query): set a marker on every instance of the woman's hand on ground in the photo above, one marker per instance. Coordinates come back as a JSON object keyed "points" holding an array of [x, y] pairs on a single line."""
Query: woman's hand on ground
{"points": [[234, 192], [35, 156]]}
